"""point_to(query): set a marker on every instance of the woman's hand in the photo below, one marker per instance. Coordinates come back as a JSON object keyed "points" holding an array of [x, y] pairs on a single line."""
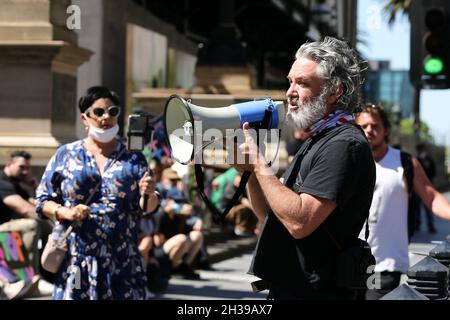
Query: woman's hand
{"points": [[147, 185], [77, 213]]}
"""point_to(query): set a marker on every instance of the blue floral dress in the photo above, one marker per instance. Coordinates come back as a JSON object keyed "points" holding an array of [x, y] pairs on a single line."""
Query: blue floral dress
{"points": [[103, 261]]}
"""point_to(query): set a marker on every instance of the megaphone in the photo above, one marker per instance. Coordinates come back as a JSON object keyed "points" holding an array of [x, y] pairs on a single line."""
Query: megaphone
{"points": [[184, 122]]}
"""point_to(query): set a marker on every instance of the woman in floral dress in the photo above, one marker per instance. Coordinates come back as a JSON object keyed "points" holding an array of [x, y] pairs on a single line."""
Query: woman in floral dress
{"points": [[103, 260]]}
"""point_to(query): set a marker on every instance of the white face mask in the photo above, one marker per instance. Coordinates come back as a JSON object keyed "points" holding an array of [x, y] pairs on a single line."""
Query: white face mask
{"points": [[103, 135]]}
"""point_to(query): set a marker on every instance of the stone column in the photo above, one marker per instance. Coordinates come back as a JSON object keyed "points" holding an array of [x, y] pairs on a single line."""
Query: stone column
{"points": [[39, 59]]}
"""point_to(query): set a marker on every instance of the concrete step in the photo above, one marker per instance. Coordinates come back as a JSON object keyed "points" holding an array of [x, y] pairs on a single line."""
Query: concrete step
{"points": [[222, 245], [217, 235], [230, 249]]}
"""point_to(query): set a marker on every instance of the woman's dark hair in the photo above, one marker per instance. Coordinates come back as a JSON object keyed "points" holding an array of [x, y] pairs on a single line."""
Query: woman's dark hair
{"points": [[95, 93]]}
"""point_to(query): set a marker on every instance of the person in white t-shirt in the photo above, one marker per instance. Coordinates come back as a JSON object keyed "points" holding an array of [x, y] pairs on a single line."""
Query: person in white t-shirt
{"points": [[388, 222]]}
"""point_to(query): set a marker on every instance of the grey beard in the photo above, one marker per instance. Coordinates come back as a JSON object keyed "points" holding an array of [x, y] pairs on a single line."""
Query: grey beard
{"points": [[308, 113]]}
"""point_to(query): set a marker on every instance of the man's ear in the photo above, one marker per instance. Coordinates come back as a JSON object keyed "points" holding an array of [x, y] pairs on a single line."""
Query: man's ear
{"points": [[335, 95]]}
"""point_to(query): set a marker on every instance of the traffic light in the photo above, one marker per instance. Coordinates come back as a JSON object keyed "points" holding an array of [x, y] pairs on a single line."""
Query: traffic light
{"points": [[430, 45]]}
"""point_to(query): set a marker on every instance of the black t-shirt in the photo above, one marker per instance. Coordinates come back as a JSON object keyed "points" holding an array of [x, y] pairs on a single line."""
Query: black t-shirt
{"points": [[9, 187], [170, 226], [338, 166]]}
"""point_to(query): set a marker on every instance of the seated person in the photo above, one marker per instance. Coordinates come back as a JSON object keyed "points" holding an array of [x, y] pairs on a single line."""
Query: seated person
{"points": [[171, 187], [241, 216], [179, 237], [147, 229], [219, 185], [17, 210]]}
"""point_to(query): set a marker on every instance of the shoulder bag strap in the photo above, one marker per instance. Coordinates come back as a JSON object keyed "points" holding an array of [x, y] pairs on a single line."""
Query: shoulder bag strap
{"points": [[407, 165], [408, 169]]}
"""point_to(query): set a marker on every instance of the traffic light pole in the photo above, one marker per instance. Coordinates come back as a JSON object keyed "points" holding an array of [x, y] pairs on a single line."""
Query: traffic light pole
{"points": [[416, 113], [430, 48]]}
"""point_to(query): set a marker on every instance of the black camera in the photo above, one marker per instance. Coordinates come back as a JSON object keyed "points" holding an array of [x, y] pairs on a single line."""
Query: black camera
{"points": [[140, 131]]}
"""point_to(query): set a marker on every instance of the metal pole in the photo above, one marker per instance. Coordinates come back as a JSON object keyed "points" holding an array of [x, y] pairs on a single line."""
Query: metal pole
{"points": [[416, 113], [346, 20]]}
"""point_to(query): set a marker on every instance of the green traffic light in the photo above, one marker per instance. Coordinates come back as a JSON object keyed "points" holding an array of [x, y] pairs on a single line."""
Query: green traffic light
{"points": [[433, 65]]}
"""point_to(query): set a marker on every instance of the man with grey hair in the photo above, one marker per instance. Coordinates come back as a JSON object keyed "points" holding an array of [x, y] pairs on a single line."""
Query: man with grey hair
{"points": [[320, 203]]}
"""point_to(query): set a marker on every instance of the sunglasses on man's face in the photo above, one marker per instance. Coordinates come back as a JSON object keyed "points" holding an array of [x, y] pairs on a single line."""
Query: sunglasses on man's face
{"points": [[98, 112]]}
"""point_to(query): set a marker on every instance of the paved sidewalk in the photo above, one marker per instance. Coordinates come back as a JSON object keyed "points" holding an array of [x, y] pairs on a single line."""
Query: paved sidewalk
{"points": [[422, 241]]}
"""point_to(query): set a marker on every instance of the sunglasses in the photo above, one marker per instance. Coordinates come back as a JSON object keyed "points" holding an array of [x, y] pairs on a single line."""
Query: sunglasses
{"points": [[98, 112]]}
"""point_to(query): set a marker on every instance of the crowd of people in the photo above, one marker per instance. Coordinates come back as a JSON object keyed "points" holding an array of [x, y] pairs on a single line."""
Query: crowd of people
{"points": [[133, 221], [117, 249]]}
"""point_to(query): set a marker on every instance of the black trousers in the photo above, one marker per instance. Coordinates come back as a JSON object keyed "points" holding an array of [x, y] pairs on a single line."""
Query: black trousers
{"points": [[388, 280]]}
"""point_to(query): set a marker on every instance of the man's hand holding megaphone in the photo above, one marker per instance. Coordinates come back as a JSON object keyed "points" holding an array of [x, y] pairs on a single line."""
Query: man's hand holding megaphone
{"points": [[247, 156]]}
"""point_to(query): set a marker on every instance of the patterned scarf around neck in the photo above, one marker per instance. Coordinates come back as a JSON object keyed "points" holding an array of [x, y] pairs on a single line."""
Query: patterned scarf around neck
{"points": [[333, 119]]}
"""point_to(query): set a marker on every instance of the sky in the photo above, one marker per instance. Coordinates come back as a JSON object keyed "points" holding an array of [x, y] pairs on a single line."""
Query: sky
{"points": [[392, 43]]}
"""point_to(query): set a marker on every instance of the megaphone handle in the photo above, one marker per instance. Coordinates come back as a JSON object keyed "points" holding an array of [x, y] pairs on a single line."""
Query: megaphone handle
{"points": [[265, 122]]}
